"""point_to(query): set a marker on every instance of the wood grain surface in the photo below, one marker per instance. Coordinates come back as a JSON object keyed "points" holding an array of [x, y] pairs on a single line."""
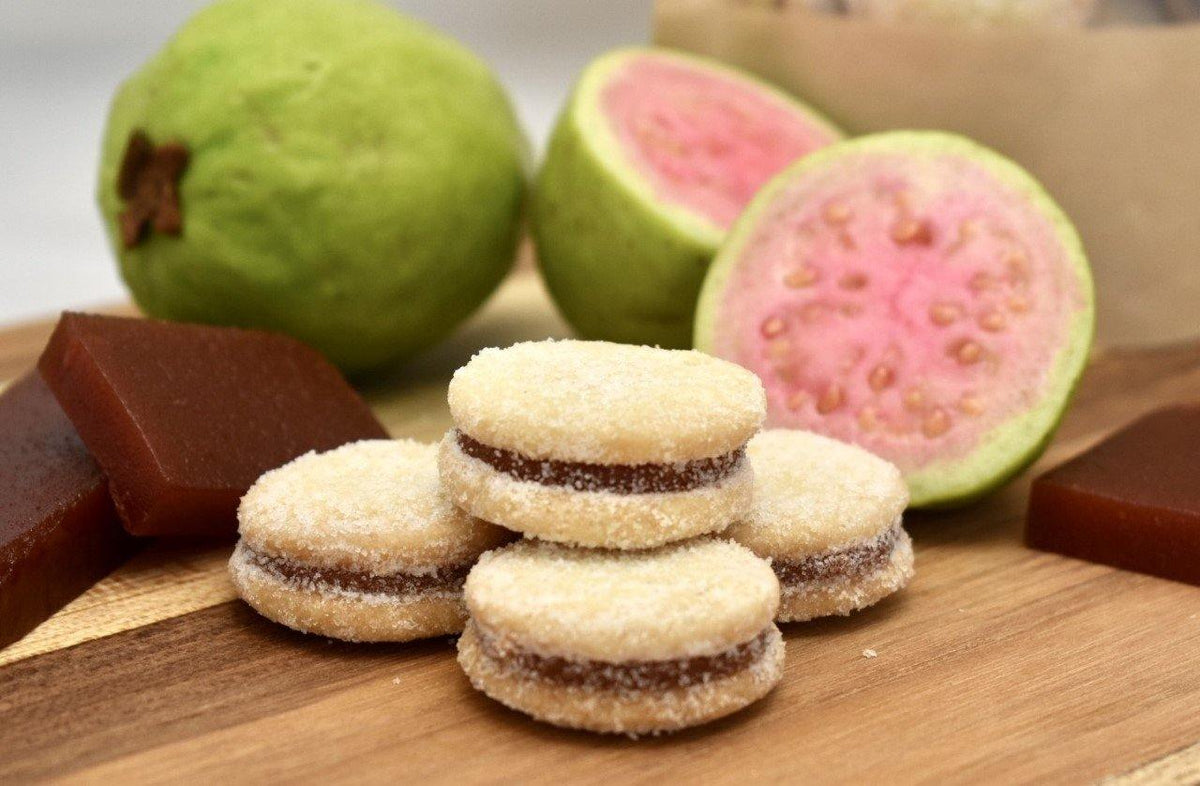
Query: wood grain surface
{"points": [[998, 664]]}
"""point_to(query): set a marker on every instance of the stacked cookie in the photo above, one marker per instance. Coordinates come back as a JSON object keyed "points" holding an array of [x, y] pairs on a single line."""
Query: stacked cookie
{"points": [[602, 445], [620, 611], [615, 458]]}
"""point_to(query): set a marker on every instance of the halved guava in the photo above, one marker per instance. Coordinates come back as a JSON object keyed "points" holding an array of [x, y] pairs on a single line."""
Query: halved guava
{"points": [[654, 157], [915, 294]]}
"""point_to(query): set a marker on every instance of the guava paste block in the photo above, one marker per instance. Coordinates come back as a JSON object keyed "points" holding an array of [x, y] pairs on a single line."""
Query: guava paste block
{"points": [[59, 531], [184, 418], [1132, 502]]}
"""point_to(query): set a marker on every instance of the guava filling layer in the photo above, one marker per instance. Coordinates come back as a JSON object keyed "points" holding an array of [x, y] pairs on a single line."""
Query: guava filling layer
{"points": [[850, 562], [705, 140], [624, 675], [611, 478], [908, 304], [440, 578]]}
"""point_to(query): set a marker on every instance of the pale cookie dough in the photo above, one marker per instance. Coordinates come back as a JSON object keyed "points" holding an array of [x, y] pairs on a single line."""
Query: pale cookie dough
{"points": [[623, 642], [828, 517], [601, 444], [359, 544]]}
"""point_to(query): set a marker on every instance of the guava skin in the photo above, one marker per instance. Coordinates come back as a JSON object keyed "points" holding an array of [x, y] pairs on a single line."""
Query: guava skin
{"points": [[617, 271], [356, 179], [621, 264], [1018, 436]]}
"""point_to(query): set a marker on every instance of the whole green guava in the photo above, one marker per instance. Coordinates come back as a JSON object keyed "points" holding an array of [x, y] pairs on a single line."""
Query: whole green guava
{"points": [[326, 168]]}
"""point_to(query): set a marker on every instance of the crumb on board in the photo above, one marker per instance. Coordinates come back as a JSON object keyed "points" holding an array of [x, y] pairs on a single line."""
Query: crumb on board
{"points": [[870, 654]]}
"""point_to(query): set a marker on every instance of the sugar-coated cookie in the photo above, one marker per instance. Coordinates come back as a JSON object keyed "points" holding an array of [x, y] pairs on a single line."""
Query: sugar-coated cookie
{"points": [[600, 444], [828, 516], [630, 642], [359, 544]]}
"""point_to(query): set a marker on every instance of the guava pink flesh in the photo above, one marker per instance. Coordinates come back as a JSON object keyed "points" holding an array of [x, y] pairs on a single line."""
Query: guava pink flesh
{"points": [[705, 141], [906, 304]]}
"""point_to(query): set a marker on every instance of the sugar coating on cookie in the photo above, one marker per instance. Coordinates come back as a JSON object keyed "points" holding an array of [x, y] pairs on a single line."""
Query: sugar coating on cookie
{"points": [[601, 445], [358, 543], [375, 505], [828, 516], [596, 402], [632, 642], [813, 494], [691, 599]]}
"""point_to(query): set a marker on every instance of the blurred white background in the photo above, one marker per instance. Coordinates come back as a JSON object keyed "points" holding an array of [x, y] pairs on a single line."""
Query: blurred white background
{"points": [[60, 61]]}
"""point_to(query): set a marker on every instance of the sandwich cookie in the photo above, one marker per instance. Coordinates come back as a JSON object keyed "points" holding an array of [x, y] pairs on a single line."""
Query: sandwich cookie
{"points": [[828, 517], [623, 642], [358, 544], [600, 444]]}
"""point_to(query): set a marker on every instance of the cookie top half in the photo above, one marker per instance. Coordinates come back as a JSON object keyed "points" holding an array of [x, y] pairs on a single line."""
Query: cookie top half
{"points": [[688, 600], [814, 494], [373, 506], [592, 401]]}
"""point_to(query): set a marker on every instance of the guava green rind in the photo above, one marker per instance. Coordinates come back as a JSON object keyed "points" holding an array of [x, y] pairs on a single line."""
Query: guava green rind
{"points": [[356, 179], [617, 271], [1009, 448], [621, 264]]}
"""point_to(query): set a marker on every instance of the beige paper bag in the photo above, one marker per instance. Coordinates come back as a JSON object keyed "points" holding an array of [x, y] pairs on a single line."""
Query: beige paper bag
{"points": [[1108, 119]]}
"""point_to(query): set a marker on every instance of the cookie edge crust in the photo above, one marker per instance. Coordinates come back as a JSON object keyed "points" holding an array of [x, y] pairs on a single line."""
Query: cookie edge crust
{"points": [[721, 428], [586, 518], [621, 712], [420, 616], [811, 600]]}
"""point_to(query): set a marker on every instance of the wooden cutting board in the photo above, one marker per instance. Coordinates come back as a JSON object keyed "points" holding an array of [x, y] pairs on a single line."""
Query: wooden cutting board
{"points": [[998, 664]]}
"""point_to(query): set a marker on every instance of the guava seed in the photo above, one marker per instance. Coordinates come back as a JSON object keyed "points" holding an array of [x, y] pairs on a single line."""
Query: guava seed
{"points": [[914, 400], [1018, 268], [797, 400], [881, 378], [853, 281], [801, 277], [966, 351], [970, 405], [773, 327], [831, 399], [945, 313], [993, 321], [982, 282], [968, 230], [837, 213], [910, 231], [936, 423]]}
